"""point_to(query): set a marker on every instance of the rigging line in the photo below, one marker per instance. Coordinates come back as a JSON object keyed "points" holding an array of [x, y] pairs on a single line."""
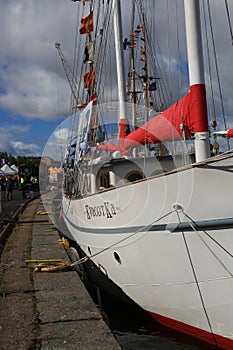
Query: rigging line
{"points": [[180, 84], [79, 46], [160, 67], [102, 59], [178, 47], [169, 51], [229, 21], [97, 19], [193, 224], [131, 63], [58, 90], [217, 72], [77, 51], [101, 55], [208, 59], [145, 228], [197, 283]]}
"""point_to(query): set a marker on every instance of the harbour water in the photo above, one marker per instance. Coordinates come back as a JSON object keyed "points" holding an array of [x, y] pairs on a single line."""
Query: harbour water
{"points": [[157, 339], [135, 330]]}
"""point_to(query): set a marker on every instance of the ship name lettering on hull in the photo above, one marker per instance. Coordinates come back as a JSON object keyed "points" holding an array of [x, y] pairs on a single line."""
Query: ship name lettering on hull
{"points": [[107, 210]]}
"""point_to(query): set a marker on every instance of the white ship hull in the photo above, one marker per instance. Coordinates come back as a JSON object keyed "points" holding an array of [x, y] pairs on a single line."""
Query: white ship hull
{"points": [[167, 242]]}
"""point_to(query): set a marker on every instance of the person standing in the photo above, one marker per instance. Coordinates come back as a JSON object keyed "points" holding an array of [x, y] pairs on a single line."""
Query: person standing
{"points": [[23, 187], [9, 188]]}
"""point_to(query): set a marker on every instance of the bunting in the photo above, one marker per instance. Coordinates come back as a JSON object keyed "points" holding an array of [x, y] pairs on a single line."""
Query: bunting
{"points": [[83, 105], [87, 24], [89, 79]]}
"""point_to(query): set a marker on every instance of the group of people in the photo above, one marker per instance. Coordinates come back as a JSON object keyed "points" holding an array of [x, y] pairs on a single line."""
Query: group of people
{"points": [[9, 182], [28, 184]]}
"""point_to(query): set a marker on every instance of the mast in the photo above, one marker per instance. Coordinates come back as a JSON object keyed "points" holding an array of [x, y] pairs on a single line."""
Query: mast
{"points": [[133, 72], [145, 68], [196, 72], [119, 57]]}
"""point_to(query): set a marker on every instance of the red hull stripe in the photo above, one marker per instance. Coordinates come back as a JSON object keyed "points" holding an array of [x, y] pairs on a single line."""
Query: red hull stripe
{"points": [[214, 339]]}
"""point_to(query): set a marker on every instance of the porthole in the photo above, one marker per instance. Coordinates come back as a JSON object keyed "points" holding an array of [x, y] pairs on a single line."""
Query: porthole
{"points": [[117, 258]]}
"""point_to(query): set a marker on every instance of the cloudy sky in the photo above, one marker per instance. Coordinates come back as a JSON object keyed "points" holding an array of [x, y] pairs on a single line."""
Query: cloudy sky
{"points": [[34, 92]]}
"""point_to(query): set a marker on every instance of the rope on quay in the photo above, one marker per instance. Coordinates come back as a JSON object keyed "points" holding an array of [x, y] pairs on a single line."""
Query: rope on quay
{"points": [[50, 265]]}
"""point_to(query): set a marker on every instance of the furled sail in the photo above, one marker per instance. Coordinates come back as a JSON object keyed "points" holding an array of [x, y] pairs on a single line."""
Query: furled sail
{"points": [[183, 118]]}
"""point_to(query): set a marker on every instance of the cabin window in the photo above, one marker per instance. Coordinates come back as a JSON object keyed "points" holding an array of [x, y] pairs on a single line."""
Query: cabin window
{"points": [[134, 176], [105, 180]]}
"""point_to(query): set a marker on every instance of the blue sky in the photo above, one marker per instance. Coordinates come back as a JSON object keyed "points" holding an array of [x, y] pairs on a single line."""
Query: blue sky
{"points": [[34, 92]]}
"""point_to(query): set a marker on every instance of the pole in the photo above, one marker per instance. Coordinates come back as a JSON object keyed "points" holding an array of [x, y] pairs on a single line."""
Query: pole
{"points": [[119, 58], [196, 73]]}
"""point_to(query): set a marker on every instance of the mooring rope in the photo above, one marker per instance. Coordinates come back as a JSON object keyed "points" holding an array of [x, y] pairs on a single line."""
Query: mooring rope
{"points": [[193, 225], [143, 229], [196, 279]]}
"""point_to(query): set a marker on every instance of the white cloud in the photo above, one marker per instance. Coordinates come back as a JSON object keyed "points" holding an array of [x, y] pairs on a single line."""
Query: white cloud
{"points": [[25, 149], [17, 147], [32, 79]]}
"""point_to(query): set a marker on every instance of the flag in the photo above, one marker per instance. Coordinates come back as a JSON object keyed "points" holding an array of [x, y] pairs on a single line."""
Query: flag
{"points": [[87, 24], [83, 105], [89, 79]]}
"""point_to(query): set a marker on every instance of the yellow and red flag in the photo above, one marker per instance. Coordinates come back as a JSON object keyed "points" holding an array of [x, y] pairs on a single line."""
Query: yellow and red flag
{"points": [[89, 79], [87, 24]]}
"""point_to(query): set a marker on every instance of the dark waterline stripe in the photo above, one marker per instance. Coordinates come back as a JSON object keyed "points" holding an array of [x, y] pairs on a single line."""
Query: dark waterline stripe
{"points": [[205, 225]]}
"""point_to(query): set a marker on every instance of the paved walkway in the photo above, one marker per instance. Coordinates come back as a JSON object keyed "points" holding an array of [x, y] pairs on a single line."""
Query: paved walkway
{"points": [[65, 317], [69, 319]]}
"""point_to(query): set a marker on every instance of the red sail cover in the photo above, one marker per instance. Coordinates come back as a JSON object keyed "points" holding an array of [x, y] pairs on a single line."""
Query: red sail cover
{"points": [[188, 115]]}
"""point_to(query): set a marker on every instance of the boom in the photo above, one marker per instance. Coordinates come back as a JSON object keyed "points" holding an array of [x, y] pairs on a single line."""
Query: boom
{"points": [[68, 73]]}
